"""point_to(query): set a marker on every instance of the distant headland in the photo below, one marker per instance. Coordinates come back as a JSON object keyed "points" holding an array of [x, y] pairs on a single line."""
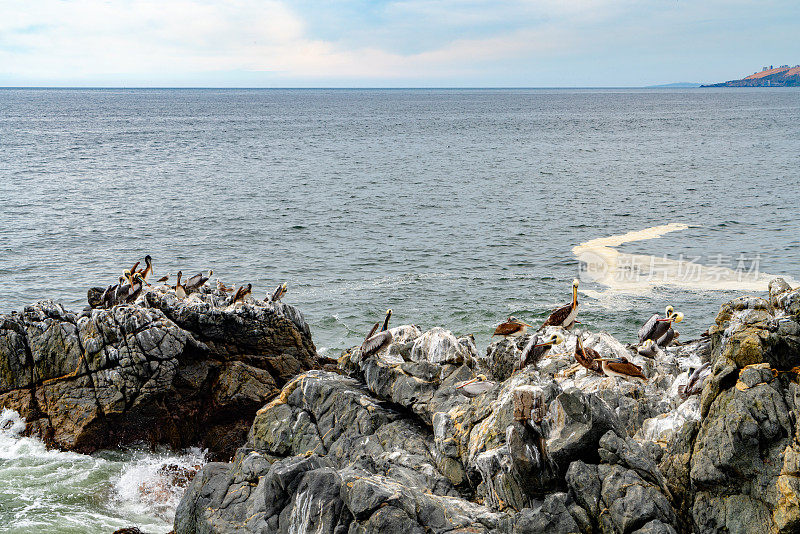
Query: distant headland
{"points": [[783, 76]]}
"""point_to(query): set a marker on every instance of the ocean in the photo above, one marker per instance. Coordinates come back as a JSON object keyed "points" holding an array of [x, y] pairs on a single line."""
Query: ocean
{"points": [[455, 208]]}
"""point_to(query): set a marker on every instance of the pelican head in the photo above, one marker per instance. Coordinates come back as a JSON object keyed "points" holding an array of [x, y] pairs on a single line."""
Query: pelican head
{"points": [[127, 275], [575, 283], [517, 321], [648, 343], [669, 311], [148, 260], [554, 339], [677, 317], [478, 378]]}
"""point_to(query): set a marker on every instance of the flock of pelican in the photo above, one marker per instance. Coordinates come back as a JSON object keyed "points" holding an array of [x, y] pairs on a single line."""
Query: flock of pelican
{"points": [[133, 280], [656, 333]]}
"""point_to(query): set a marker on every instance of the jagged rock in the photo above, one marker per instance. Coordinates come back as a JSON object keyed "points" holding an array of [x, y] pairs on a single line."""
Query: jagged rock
{"points": [[183, 372]]}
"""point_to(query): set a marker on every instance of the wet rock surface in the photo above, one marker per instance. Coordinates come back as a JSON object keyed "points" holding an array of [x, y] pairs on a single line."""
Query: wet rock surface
{"points": [[162, 370]]}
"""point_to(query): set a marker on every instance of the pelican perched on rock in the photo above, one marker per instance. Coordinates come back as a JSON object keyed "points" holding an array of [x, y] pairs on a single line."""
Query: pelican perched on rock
{"points": [[567, 314], [136, 288], [242, 293], [669, 336], [622, 368], [696, 381], [476, 386], [122, 290], [374, 343], [197, 281], [180, 290], [536, 348], [588, 357], [648, 348], [279, 292], [148, 269], [222, 287], [513, 327], [655, 327]]}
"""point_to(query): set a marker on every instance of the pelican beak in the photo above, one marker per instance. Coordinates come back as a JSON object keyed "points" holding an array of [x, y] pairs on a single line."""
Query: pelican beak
{"points": [[468, 382]]}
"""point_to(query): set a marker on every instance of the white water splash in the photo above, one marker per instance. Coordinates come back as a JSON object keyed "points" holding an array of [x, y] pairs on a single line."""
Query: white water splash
{"points": [[47, 490]]}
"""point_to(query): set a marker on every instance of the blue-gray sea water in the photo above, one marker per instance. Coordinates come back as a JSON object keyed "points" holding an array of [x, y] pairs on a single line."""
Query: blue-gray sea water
{"points": [[456, 208]]}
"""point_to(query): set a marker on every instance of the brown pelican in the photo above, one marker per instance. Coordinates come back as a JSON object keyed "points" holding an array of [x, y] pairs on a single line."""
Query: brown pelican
{"points": [[476, 386], [279, 292], [696, 381], [513, 327], [588, 358], [136, 288], [242, 293], [148, 270], [622, 368], [123, 288], [669, 336], [377, 342], [648, 348], [180, 290], [133, 269], [222, 287], [536, 348], [567, 314], [162, 279], [655, 327], [197, 281]]}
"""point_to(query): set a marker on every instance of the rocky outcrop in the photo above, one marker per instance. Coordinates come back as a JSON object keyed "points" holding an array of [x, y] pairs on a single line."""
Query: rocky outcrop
{"points": [[162, 369], [394, 447], [737, 469]]}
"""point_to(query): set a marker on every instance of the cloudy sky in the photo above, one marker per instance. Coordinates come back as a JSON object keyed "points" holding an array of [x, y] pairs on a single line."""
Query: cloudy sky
{"points": [[360, 43]]}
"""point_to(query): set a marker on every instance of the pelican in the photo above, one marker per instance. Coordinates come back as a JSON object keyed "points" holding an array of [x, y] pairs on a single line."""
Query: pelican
{"points": [[476, 386], [180, 290], [148, 270], [696, 381], [669, 336], [655, 327], [513, 327], [242, 293], [133, 269], [280, 291], [108, 296], [123, 288], [163, 279], [536, 349], [622, 368], [136, 287], [222, 287], [197, 281], [567, 314], [588, 358], [648, 348], [377, 342]]}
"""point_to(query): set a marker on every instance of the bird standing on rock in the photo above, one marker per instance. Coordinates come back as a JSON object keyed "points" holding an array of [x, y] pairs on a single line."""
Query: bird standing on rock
{"points": [[588, 357], [696, 382], [242, 293], [279, 292], [655, 327], [513, 327], [536, 348], [649, 348], [621, 368], [375, 343], [566, 316], [476, 386], [180, 290]]}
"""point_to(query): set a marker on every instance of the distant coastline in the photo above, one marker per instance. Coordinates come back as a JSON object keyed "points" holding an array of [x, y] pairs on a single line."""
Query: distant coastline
{"points": [[783, 76]]}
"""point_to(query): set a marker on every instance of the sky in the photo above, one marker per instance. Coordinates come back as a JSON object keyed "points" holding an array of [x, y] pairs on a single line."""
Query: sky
{"points": [[404, 43]]}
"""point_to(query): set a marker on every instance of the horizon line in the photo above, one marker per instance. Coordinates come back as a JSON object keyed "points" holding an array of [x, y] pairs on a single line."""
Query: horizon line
{"points": [[472, 87]]}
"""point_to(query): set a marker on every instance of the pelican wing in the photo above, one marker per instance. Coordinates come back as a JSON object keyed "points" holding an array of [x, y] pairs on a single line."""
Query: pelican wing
{"points": [[558, 317], [624, 367], [377, 342], [371, 333], [648, 329], [529, 352]]}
